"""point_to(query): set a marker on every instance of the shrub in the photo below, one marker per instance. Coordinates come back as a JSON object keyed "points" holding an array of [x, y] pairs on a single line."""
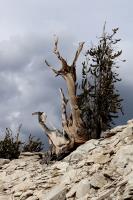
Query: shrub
{"points": [[11, 147], [33, 145]]}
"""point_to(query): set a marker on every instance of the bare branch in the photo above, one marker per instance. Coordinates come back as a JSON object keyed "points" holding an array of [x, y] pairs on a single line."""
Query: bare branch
{"points": [[54, 70], [81, 44], [63, 61], [63, 108], [41, 116], [19, 128], [18, 132], [56, 138], [65, 100], [42, 120], [56, 51]]}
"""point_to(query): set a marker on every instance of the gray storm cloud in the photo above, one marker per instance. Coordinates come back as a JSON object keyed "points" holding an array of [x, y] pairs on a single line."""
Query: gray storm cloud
{"points": [[27, 85]]}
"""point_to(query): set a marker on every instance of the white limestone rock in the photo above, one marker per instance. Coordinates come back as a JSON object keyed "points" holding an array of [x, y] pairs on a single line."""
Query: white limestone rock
{"points": [[3, 162], [26, 194], [97, 170], [98, 180], [83, 188], [32, 198], [123, 156], [5, 197], [57, 193]]}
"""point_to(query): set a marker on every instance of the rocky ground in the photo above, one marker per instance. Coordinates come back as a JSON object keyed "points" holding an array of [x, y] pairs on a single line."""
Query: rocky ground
{"points": [[98, 170]]}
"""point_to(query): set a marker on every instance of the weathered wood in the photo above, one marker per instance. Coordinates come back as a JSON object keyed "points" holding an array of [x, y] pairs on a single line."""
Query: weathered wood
{"points": [[73, 132], [56, 137]]}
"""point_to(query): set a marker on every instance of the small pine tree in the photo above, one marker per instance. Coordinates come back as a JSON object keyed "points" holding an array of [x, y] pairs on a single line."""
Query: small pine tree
{"points": [[11, 147], [33, 145], [99, 100]]}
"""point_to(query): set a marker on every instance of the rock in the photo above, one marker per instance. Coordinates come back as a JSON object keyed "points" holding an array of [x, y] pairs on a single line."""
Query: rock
{"points": [[22, 186], [88, 146], [128, 131], [81, 151], [75, 156], [72, 191], [17, 194], [80, 189], [32, 198], [104, 195], [5, 197], [25, 154], [110, 174], [113, 131], [98, 181], [26, 194], [123, 156], [118, 129], [130, 121], [97, 170], [12, 167], [3, 162], [57, 193], [128, 193], [29, 155], [70, 177], [83, 188], [86, 197], [94, 168], [98, 158], [129, 139], [61, 166]]}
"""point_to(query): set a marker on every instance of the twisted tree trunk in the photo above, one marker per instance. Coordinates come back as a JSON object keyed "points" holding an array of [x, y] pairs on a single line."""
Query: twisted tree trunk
{"points": [[73, 132]]}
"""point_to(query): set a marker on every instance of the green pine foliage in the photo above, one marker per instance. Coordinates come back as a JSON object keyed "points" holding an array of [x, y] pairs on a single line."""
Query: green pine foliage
{"points": [[33, 145], [99, 100], [11, 147]]}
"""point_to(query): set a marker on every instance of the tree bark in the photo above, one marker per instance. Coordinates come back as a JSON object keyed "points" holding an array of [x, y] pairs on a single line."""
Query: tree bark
{"points": [[74, 132]]}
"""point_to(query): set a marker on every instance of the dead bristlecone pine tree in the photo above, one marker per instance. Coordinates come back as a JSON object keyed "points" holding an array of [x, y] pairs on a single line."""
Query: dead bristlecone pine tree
{"points": [[75, 129]]}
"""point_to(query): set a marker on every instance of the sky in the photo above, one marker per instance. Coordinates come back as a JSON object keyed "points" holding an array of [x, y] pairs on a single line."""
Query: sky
{"points": [[27, 29]]}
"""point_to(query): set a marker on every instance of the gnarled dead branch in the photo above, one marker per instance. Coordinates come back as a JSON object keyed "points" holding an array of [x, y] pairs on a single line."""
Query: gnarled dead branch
{"points": [[74, 132]]}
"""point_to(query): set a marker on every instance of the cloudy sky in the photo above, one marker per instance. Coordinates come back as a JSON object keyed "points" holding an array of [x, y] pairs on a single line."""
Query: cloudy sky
{"points": [[27, 28]]}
